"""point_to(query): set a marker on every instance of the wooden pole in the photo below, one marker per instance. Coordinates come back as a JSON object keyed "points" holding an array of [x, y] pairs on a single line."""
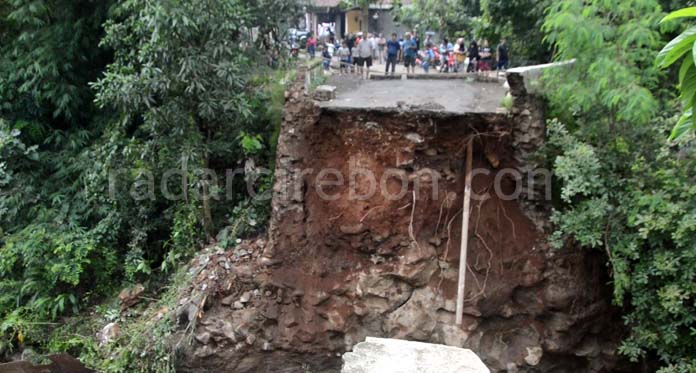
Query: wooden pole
{"points": [[465, 232]]}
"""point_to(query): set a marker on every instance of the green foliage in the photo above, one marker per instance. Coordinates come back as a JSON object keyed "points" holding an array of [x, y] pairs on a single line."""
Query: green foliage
{"points": [[684, 366], [613, 77], [519, 21], [192, 93], [44, 72], [578, 167], [54, 249], [185, 234], [449, 18], [684, 44], [661, 245], [245, 219], [15, 156], [317, 77], [180, 86], [507, 102], [146, 342], [56, 234], [647, 228], [251, 144], [624, 190]]}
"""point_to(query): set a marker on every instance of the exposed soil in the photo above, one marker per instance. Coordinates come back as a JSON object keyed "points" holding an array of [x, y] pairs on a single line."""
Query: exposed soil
{"points": [[335, 271], [343, 235]]}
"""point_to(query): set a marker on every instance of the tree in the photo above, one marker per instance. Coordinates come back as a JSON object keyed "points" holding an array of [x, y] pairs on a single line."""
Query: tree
{"points": [[186, 82], [683, 45], [445, 17], [623, 190], [519, 21], [613, 77], [183, 69], [52, 237], [44, 72]]}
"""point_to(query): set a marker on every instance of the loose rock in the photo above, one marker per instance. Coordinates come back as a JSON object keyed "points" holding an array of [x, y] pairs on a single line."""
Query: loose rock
{"points": [[246, 297], [203, 338]]}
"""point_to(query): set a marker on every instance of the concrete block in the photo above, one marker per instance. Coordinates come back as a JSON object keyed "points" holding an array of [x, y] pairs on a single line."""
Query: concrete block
{"points": [[325, 93], [380, 355]]}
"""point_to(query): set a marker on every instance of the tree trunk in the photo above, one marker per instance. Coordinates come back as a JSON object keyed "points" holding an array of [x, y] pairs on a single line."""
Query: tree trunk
{"points": [[207, 214]]}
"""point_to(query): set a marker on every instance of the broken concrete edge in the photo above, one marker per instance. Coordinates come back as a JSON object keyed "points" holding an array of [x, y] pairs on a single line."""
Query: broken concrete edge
{"points": [[530, 76], [452, 76], [404, 356], [415, 110], [529, 135], [324, 93]]}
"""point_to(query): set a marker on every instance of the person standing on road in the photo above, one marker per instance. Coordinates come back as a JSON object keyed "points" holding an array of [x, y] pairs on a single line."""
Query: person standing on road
{"points": [[350, 42], [427, 58], [502, 55], [344, 56], [381, 44], [401, 50], [473, 53], [410, 51], [486, 56], [459, 55], [326, 57], [357, 60], [375, 48], [445, 49], [311, 45], [429, 42], [365, 54], [416, 39], [393, 47]]}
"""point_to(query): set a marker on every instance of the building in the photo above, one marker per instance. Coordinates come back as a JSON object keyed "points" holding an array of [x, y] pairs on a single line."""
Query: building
{"points": [[324, 15]]}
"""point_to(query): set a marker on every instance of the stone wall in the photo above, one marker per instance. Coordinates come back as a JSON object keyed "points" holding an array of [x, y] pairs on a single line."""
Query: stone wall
{"points": [[528, 133]]}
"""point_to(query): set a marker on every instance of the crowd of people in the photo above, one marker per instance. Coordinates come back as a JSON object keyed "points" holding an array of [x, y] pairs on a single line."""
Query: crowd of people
{"points": [[357, 53]]}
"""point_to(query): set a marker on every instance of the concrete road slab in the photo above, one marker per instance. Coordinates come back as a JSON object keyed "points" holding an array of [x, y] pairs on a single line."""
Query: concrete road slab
{"points": [[451, 95]]}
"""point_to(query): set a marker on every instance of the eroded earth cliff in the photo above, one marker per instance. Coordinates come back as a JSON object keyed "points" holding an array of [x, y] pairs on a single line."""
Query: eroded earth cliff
{"points": [[365, 236]]}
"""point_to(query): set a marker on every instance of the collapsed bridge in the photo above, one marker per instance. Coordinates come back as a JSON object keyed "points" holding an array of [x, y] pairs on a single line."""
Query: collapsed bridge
{"points": [[366, 229]]}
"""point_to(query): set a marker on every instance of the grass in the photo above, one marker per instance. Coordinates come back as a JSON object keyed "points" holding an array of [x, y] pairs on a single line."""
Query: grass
{"points": [[142, 343], [507, 102], [317, 78]]}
